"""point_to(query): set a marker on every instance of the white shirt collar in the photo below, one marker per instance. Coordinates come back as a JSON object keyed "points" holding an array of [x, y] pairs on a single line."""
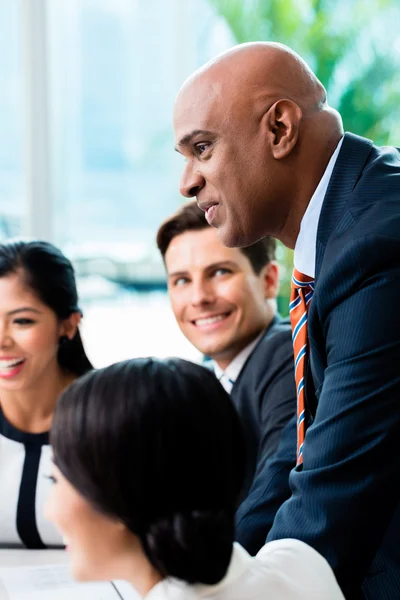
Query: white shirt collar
{"points": [[232, 371], [174, 589], [304, 251]]}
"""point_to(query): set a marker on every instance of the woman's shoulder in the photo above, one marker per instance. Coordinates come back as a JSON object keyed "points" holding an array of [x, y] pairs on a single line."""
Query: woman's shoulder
{"points": [[282, 570], [297, 571]]}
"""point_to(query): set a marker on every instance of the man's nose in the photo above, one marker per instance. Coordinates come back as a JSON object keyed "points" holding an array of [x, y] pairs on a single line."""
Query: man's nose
{"points": [[191, 182], [202, 293]]}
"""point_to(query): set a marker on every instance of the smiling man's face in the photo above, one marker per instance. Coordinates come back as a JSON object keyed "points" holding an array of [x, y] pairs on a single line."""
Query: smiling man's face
{"points": [[257, 133], [218, 300], [229, 167]]}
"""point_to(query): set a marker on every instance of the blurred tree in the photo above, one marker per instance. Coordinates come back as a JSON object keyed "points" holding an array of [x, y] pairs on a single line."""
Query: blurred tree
{"points": [[354, 49], [352, 46]]}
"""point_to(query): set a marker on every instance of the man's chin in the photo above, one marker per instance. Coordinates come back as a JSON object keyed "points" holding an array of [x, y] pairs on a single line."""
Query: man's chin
{"points": [[215, 353], [231, 238], [205, 349], [236, 239], [227, 238]]}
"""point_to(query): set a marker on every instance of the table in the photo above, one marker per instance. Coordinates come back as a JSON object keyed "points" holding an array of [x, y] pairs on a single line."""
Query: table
{"points": [[26, 558]]}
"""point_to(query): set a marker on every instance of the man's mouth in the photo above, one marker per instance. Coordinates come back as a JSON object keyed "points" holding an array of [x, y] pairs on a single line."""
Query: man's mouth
{"points": [[205, 206], [204, 321], [210, 214]]}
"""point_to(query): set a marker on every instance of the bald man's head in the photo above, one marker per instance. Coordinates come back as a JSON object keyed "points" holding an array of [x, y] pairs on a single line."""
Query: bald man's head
{"points": [[267, 69], [257, 132]]}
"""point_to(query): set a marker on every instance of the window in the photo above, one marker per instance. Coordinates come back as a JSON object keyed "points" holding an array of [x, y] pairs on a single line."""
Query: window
{"points": [[11, 189], [115, 68]]}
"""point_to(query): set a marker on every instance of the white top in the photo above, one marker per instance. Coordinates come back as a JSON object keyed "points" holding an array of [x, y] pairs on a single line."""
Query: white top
{"points": [[232, 371], [282, 570], [304, 250], [25, 464]]}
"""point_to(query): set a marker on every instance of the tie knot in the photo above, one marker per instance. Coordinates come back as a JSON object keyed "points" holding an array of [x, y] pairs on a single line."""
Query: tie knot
{"points": [[299, 280]]}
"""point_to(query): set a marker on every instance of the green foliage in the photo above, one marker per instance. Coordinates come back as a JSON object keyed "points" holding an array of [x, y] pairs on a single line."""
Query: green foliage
{"points": [[350, 44], [353, 46], [285, 260]]}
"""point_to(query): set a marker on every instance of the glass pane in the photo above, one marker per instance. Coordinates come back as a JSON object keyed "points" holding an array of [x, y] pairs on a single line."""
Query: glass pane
{"points": [[10, 121], [116, 66]]}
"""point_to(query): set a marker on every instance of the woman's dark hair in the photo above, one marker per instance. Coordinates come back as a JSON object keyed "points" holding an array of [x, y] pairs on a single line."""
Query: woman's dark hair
{"points": [[158, 445], [189, 217], [50, 275]]}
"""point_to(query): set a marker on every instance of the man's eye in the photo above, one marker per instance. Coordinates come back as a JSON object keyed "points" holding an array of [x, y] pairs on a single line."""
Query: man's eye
{"points": [[222, 271], [202, 147], [180, 281]]}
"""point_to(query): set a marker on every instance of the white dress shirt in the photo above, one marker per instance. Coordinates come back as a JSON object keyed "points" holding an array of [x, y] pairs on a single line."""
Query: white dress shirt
{"points": [[282, 570], [228, 377], [304, 251]]}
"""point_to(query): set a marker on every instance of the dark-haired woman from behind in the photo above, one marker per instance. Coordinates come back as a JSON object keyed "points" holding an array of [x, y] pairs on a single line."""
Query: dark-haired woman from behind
{"points": [[148, 467], [41, 353]]}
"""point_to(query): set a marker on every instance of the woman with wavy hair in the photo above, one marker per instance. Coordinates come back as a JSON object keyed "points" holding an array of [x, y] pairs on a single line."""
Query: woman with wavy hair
{"points": [[41, 353], [148, 467]]}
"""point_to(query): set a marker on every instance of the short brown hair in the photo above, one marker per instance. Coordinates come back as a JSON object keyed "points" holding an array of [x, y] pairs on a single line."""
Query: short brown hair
{"points": [[191, 218]]}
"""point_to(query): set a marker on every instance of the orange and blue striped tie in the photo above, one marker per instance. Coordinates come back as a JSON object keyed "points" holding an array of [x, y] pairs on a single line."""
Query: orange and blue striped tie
{"points": [[302, 292]]}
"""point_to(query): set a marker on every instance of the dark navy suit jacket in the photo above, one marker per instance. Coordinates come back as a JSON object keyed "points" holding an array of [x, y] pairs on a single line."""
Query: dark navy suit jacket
{"points": [[345, 500]]}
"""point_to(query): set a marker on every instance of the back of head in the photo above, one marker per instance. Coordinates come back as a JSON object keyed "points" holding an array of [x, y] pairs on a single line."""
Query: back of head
{"points": [[50, 275], [189, 217], [158, 445]]}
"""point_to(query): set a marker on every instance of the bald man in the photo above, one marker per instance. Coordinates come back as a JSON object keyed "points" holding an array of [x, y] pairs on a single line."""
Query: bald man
{"points": [[266, 155]]}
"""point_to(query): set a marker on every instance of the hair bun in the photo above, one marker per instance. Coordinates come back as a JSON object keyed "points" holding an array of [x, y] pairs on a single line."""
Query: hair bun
{"points": [[195, 547]]}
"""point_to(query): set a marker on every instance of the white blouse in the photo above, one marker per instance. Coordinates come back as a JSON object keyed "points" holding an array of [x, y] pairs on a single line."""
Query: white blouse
{"points": [[25, 463], [282, 570]]}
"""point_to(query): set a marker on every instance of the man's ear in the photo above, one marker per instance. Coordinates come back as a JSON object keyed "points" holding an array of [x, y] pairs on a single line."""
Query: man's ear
{"points": [[282, 121], [270, 274], [70, 325]]}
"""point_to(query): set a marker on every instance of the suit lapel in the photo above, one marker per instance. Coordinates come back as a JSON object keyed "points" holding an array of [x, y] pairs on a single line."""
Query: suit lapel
{"points": [[347, 171], [348, 168]]}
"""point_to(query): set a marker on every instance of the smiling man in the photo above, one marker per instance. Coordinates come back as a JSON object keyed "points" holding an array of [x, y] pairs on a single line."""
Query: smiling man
{"points": [[224, 301]]}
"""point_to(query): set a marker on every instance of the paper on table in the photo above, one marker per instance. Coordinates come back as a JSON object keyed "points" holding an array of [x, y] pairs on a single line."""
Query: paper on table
{"points": [[54, 582]]}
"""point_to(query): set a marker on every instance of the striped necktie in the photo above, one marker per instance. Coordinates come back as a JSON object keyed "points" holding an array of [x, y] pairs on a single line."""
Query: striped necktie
{"points": [[301, 294]]}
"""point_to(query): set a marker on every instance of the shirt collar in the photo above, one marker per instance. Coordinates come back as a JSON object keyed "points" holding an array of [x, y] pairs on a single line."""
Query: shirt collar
{"points": [[304, 251], [232, 371], [175, 589]]}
